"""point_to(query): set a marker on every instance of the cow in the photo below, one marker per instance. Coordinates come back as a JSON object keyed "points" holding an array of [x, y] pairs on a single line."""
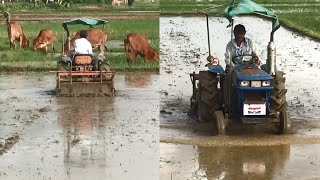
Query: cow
{"points": [[96, 37], [44, 39], [15, 33], [137, 44], [117, 2]]}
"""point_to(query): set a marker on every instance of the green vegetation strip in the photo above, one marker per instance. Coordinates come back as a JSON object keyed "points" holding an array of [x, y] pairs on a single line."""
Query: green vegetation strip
{"points": [[117, 29], [92, 8], [299, 15]]}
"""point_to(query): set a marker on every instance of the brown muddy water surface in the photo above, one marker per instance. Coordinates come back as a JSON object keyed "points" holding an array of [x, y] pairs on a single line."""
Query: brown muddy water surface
{"points": [[189, 151], [47, 137], [243, 163]]}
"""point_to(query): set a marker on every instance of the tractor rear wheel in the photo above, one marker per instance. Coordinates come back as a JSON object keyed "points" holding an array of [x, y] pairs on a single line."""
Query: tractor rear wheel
{"points": [[278, 97], [105, 67], [285, 123], [194, 103], [220, 123], [209, 95], [63, 67]]}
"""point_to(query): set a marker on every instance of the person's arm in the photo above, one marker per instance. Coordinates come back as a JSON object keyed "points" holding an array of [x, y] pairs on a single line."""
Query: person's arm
{"points": [[254, 49], [89, 47], [254, 52], [75, 46], [228, 55]]}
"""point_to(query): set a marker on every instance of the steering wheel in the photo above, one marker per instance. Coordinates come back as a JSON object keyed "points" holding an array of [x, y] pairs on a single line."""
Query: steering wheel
{"points": [[247, 59]]}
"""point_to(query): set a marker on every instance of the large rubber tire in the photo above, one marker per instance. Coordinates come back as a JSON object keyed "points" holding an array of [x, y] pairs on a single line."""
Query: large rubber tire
{"points": [[105, 67], [63, 66], [278, 96], [194, 103], [285, 123], [220, 123], [209, 96]]}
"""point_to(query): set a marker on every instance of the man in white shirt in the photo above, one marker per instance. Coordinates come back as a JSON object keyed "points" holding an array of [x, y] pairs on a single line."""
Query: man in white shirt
{"points": [[82, 45], [240, 46]]}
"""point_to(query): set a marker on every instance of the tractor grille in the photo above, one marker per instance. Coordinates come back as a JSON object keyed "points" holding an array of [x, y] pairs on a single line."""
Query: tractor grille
{"points": [[254, 96]]}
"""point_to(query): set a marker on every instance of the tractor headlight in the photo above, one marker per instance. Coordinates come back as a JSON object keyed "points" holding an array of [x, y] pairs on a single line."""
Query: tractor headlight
{"points": [[245, 83], [266, 83], [255, 83]]}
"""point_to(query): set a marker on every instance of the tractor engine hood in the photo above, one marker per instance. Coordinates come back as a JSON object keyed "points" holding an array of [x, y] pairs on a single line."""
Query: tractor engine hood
{"points": [[252, 74]]}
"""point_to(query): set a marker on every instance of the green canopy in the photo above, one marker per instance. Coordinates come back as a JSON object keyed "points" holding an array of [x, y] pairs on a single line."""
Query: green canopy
{"points": [[84, 21], [247, 7]]}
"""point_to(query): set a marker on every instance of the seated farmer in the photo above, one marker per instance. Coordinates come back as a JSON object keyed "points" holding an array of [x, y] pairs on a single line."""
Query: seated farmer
{"points": [[240, 46], [82, 45]]}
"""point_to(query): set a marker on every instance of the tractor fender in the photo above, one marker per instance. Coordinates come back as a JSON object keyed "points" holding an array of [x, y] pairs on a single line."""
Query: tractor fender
{"points": [[216, 69]]}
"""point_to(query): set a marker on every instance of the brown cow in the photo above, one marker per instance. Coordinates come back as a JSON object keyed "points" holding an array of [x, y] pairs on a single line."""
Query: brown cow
{"points": [[44, 39], [137, 44], [15, 33], [96, 37]]}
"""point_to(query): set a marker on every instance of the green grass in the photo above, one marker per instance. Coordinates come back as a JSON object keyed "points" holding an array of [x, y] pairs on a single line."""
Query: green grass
{"points": [[117, 29], [24, 7], [119, 63], [299, 15], [304, 23]]}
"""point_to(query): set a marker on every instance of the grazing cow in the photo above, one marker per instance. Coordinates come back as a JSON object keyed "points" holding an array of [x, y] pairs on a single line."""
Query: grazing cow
{"points": [[96, 37], [44, 39], [137, 44], [15, 33], [117, 2]]}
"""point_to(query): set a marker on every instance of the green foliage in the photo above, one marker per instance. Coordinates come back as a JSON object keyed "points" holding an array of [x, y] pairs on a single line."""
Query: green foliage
{"points": [[300, 15], [117, 29]]}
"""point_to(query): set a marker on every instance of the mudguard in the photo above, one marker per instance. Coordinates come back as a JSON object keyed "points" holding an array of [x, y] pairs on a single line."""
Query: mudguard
{"points": [[216, 69]]}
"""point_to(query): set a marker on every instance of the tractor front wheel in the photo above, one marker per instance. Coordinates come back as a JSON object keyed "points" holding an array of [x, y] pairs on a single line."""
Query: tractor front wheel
{"points": [[285, 123], [220, 123]]}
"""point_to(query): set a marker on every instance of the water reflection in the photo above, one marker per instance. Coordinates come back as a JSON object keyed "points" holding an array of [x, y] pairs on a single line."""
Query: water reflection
{"points": [[138, 80], [243, 162], [83, 122], [198, 162], [79, 138]]}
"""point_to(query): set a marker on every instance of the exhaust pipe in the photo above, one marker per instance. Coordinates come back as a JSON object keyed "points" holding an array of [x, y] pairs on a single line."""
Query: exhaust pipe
{"points": [[271, 59]]}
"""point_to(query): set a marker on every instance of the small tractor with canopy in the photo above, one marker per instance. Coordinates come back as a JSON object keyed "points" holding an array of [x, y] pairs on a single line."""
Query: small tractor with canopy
{"points": [[247, 93], [83, 74]]}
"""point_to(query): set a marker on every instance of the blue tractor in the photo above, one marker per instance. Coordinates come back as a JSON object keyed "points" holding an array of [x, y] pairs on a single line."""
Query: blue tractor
{"points": [[247, 93]]}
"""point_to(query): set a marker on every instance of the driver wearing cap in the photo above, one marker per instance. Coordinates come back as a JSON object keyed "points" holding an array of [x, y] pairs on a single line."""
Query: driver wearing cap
{"points": [[240, 46]]}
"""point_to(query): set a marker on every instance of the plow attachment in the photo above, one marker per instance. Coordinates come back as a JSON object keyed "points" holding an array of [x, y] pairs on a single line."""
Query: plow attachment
{"points": [[85, 83]]}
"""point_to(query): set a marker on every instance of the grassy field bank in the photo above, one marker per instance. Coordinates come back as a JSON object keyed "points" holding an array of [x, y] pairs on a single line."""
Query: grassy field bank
{"points": [[117, 29], [102, 8], [299, 15]]}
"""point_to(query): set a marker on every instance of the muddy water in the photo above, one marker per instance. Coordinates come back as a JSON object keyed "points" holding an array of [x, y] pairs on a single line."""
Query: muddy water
{"points": [[189, 151], [79, 138], [264, 162]]}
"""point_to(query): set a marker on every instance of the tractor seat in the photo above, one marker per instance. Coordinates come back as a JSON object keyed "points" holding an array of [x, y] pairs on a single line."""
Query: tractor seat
{"points": [[82, 59]]}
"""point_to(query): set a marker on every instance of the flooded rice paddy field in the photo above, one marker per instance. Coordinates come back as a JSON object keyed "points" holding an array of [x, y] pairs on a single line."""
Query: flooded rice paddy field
{"points": [[49, 137], [248, 162], [189, 151]]}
